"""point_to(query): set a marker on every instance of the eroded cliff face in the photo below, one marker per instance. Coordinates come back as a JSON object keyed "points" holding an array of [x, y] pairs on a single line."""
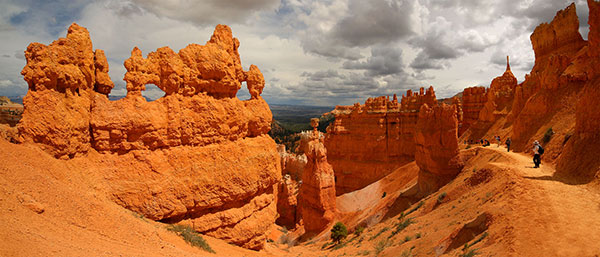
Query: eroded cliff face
{"points": [[316, 198], [473, 100], [539, 97], [367, 142], [579, 162], [198, 155], [437, 153]]}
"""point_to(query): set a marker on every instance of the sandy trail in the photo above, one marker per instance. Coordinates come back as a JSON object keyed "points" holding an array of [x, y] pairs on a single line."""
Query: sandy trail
{"points": [[560, 216]]}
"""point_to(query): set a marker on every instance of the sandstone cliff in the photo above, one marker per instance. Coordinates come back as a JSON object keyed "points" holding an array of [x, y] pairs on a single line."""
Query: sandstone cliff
{"points": [[542, 104], [316, 199], [579, 162], [198, 155], [437, 153], [367, 142]]}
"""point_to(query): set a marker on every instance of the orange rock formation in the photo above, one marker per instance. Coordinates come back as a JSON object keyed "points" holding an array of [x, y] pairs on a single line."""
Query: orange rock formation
{"points": [[555, 46], [473, 100], [198, 155], [367, 142], [436, 140], [316, 199], [579, 163]]}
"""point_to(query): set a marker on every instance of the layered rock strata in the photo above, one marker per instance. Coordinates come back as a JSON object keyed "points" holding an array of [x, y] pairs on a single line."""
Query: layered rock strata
{"points": [[579, 162], [473, 100], [197, 155], [555, 46], [437, 153], [316, 199], [367, 142]]}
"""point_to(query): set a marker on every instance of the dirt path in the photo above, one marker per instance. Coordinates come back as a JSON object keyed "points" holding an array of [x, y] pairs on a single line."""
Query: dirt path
{"points": [[562, 219]]}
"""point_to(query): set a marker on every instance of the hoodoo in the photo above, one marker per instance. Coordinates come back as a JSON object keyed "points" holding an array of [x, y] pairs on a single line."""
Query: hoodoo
{"points": [[316, 199], [198, 155]]}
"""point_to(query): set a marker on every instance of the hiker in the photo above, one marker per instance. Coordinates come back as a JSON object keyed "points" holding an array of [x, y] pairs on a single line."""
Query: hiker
{"points": [[508, 144], [537, 152], [486, 143], [498, 140]]}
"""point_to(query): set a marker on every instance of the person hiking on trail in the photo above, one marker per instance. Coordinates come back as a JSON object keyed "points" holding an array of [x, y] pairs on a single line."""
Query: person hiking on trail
{"points": [[508, 144], [498, 140], [537, 152]]}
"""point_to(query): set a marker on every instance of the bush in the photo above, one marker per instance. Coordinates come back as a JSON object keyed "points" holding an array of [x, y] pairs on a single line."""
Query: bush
{"points": [[191, 236], [339, 232], [358, 230], [441, 197], [380, 246], [547, 135], [401, 226]]}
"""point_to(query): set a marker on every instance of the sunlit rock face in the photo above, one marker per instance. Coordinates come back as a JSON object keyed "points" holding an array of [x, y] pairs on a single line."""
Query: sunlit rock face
{"points": [[197, 155]]}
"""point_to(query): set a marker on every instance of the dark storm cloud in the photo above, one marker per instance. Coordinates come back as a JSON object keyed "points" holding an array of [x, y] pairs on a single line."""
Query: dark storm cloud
{"points": [[371, 22], [42, 16], [364, 24], [206, 12], [384, 60]]}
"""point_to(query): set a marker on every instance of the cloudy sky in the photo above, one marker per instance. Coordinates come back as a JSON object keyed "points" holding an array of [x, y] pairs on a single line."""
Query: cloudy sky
{"points": [[311, 52]]}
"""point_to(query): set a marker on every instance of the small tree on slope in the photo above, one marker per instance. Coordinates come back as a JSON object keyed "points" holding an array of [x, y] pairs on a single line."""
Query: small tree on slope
{"points": [[338, 232]]}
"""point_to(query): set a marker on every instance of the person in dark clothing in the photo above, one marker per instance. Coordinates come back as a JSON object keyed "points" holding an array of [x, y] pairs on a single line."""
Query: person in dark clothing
{"points": [[537, 160], [508, 141]]}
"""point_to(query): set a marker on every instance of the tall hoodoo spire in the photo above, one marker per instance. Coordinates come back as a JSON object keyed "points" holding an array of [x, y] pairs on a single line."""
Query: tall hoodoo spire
{"points": [[507, 64]]}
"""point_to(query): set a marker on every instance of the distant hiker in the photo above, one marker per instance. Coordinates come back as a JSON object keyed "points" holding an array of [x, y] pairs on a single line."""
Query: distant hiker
{"points": [[508, 144], [486, 143], [498, 140], [538, 150]]}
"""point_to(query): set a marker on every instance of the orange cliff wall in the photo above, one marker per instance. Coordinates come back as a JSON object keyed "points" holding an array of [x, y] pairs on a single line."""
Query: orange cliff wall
{"points": [[540, 98], [317, 197], [197, 156], [437, 153], [579, 162], [367, 142], [473, 99], [545, 99]]}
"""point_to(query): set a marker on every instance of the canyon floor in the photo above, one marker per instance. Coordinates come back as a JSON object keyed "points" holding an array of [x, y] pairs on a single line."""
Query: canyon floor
{"points": [[499, 204]]}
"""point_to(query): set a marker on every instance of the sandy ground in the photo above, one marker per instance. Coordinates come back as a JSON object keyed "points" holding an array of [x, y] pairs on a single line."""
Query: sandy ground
{"points": [[55, 208]]}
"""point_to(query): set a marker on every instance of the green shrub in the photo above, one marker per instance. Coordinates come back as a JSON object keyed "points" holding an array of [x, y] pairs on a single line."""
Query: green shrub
{"points": [[358, 230], [421, 203], [407, 238], [379, 233], [418, 235], [547, 135], [380, 246], [441, 197], [401, 226], [339, 232], [192, 237]]}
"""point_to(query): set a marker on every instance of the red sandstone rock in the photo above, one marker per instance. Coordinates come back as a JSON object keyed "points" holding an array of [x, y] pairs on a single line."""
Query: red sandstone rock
{"points": [[579, 162], [436, 140], [561, 35], [499, 96], [555, 46], [61, 78], [473, 100], [316, 199], [367, 142], [103, 83], [287, 202], [198, 155], [214, 68]]}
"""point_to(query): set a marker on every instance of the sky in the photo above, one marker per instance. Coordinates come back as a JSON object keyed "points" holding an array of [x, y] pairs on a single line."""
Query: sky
{"points": [[322, 53]]}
